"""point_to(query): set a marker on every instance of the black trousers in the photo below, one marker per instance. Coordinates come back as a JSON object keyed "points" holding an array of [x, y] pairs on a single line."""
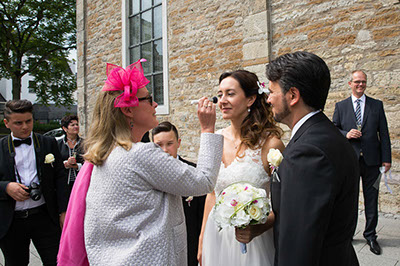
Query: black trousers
{"points": [[369, 174], [37, 227]]}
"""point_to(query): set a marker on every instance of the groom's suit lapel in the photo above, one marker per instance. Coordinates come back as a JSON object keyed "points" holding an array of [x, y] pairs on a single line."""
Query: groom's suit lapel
{"points": [[300, 132], [311, 121]]}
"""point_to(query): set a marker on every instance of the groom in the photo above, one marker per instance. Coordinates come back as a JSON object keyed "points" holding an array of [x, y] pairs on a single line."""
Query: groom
{"points": [[315, 194]]}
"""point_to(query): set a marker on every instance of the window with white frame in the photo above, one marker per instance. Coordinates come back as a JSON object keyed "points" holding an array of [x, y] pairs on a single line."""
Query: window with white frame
{"points": [[146, 30], [31, 85]]}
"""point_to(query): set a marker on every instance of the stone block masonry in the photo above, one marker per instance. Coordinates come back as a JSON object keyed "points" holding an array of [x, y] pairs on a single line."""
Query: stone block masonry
{"points": [[206, 38]]}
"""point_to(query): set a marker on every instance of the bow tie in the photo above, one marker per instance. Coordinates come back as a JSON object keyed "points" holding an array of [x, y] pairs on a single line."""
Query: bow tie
{"points": [[18, 142]]}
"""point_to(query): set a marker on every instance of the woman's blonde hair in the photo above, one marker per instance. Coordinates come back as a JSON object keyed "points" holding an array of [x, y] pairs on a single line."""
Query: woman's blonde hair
{"points": [[109, 128]]}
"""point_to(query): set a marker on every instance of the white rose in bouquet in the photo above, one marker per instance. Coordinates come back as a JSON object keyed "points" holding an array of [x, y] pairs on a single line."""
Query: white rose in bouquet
{"points": [[255, 213]]}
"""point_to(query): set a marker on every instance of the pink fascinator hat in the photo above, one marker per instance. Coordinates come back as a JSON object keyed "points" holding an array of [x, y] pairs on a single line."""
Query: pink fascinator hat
{"points": [[128, 80]]}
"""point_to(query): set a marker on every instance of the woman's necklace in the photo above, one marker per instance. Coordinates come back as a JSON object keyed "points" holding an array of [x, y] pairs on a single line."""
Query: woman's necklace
{"points": [[236, 144], [73, 141]]}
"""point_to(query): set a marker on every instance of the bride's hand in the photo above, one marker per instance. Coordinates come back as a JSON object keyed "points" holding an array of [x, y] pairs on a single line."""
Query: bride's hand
{"points": [[247, 234]]}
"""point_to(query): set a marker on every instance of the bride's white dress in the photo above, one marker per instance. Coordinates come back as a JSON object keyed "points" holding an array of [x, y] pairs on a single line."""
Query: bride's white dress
{"points": [[221, 247]]}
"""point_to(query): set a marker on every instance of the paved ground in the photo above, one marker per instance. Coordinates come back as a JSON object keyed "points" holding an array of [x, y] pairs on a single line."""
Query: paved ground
{"points": [[389, 239]]}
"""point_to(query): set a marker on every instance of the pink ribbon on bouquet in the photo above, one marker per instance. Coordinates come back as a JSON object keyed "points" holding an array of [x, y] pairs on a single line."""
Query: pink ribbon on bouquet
{"points": [[128, 80]]}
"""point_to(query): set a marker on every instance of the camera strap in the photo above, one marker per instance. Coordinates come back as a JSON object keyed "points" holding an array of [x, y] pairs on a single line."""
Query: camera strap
{"points": [[18, 176], [11, 150]]}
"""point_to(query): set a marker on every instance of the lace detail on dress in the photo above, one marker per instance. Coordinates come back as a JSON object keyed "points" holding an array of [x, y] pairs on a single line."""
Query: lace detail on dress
{"points": [[248, 168]]}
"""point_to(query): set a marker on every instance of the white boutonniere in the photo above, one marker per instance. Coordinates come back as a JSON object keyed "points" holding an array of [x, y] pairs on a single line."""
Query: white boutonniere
{"points": [[189, 199], [49, 159], [275, 158]]}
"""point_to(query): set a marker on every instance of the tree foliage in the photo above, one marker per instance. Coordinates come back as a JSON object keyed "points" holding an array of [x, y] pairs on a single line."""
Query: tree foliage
{"points": [[36, 37]]}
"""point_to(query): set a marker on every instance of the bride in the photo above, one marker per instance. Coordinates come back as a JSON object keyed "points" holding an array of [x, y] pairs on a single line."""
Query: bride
{"points": [[247, 140]]}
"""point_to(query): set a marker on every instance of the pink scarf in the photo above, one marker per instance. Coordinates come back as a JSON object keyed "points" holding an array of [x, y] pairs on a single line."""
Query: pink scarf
{"points": [[72, 250]]}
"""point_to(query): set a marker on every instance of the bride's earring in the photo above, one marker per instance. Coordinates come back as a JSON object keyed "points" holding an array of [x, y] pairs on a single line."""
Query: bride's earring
{"points": [[131, 124], [248, 110]]}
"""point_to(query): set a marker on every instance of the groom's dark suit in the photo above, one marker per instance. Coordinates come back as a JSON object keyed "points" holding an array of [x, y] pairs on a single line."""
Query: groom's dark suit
{"points": [[375, 147], [52, 180], [316, 200]]}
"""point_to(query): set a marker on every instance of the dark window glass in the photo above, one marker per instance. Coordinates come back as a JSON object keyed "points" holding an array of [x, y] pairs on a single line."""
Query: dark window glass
{"points": [[145, 41], [158, 89]]}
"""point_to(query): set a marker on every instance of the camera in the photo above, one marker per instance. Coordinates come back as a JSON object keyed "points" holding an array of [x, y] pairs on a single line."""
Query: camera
{"points": [[34, 191]]}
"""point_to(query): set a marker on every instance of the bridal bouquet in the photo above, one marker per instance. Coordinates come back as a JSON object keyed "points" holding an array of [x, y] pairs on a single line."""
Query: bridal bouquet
{"points": [[239, 205]]}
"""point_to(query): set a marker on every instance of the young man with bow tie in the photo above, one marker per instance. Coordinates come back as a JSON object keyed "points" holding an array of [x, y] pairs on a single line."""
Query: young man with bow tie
{"points": [[33, 197], [166, 136]]}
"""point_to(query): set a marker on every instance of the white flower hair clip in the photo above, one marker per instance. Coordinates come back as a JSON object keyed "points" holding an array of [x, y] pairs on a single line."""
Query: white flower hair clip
{"points": [[261, 88]]}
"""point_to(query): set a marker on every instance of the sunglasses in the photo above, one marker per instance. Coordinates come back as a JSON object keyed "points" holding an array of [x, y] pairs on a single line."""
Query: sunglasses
{"points": [[147, 98]]}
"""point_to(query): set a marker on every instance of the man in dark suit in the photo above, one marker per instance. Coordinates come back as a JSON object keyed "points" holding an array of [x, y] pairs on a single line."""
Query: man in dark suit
{"points": [[362, 121], [314, 194], [166, 136], [29, 160]]}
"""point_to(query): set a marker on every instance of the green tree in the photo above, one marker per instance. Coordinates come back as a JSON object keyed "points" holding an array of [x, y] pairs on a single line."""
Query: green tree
{"points": [[36, 37]]}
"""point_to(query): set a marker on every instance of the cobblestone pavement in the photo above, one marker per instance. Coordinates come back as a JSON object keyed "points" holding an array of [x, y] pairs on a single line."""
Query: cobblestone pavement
{"points": [[388, 238]]}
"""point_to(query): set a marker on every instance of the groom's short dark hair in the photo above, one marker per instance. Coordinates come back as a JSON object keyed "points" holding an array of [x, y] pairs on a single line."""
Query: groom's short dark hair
{"points": [[305, 71]]}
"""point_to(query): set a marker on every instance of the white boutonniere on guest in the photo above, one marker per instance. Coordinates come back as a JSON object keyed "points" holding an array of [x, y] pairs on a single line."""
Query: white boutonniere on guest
{"points": [[275, 158], [189, 199], [49, 159]]}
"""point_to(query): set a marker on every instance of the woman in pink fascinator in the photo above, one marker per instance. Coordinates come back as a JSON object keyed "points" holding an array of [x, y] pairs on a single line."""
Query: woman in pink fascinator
{"points": [[125, 207]]}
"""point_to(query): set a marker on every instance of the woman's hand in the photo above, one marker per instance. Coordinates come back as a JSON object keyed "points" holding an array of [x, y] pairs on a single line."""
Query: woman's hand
{"points": [[70, 163], [72, 160], [207, 115]]}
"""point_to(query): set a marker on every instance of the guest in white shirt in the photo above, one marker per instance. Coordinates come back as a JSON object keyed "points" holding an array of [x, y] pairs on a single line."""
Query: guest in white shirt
{"points": [[32, 189], [361, 119]]}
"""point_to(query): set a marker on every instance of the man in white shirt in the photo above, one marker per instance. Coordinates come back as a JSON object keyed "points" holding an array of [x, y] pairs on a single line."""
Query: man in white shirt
{"points": [[361, 119], [32, 189]]}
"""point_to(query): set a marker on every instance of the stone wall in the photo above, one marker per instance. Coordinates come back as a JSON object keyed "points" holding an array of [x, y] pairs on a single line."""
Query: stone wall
{"points": [[226, 35], [99, 40], [209, 37], [348, 35]]}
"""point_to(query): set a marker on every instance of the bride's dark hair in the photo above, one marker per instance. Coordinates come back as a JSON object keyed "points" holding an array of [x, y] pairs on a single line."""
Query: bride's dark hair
{"points": [[259, 124]]}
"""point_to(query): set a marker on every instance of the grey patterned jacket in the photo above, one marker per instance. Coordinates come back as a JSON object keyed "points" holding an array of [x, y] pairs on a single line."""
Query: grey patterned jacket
{"points": [[134, 213]]}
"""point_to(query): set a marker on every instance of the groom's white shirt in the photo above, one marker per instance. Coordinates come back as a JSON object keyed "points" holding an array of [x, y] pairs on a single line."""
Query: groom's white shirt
{"points": [[302, 121]]}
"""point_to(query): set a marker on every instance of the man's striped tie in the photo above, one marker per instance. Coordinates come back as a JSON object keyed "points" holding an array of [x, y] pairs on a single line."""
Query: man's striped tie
{"points": [[358, 112]]}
